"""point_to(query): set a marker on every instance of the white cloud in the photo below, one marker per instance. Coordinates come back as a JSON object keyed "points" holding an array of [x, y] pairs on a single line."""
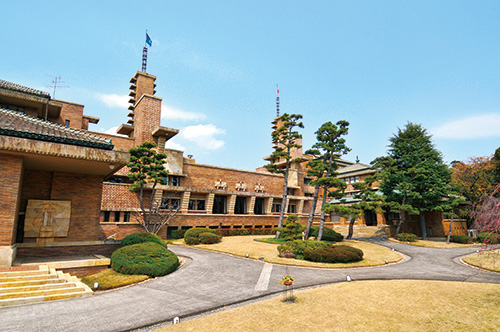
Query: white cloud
{"points": [[203, 135], [476, 126], [113, 100], [170, 113], [174, 146], [112, 131]]}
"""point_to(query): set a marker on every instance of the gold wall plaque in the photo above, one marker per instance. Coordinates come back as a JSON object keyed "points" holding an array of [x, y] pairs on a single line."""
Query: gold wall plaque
{"points": [[47, 218]]}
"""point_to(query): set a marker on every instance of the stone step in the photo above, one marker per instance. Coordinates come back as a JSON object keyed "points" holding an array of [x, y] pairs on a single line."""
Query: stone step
{"points": [[28, 277], [32, 288], [21, 283], [42, 298], [9, 274], [69, 288]]}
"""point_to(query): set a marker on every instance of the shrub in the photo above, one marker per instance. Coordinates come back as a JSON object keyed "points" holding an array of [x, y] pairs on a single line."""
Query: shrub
{"points": [[192, 235], [142, 237], [328, 234], [298, 247], [407, 237], [334, 254], [489, 238], [209, 238], [178, 233], [461, 239], [291, 231], [148, 258]]}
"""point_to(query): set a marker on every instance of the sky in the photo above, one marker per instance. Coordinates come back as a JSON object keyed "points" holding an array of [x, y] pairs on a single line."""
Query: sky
{"points": [[376, 64]]}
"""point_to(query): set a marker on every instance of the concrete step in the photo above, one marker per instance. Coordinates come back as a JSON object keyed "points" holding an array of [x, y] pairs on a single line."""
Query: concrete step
{"points": [[21, 283], [22, 273], [42, 298], [32, 288]]}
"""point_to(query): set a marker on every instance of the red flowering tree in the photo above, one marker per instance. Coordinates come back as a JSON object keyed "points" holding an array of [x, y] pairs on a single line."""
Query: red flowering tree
{"points": [[487, 215]]}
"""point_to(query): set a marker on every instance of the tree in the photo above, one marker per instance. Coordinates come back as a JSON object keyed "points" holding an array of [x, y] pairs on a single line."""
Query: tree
{"points": [[496, 163], [329, 146], [487, 214], [147, 169], [413, 175], [285, 139], [474, 178]]}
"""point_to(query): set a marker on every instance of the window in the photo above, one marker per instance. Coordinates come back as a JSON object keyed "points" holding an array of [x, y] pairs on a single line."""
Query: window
{"points": [[240, 207], [117, 216], [354, 179], [220, 205], [307, 181], [114, 179], [292, 208], [291, 191], [126, 216], [276, 208], [175, 181], [170, 203], [259, 206], [196, 205], [106, 216], [66, 123]]}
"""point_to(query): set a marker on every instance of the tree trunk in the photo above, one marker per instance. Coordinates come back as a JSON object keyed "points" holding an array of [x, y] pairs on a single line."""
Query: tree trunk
{"points": [[423, 227], [285, 195], [449, 231], [351, 227], [311, 214], [401, 218], [322, 218]]}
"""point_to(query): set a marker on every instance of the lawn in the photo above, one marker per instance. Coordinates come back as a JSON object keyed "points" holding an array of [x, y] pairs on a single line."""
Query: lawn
{"points": [[489, 260], [439, 243], [109, 279], [241, 245], [396, 305]]}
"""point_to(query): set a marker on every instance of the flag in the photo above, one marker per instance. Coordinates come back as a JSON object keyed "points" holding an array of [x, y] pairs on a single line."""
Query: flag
{"points": [[148, 40]]}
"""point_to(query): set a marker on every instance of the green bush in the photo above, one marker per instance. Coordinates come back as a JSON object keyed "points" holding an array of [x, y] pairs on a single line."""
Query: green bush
{"points": [[407, 237], [148, 258], [334, 254], [328, 234], [461, 239], [291, 231], [489, 238], [192, 235], [209, 238], [142, 237], [178, 233], [298, 247]]}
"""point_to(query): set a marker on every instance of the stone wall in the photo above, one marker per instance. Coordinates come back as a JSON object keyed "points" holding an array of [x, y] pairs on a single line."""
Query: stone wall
{"points": [[10, 185]]}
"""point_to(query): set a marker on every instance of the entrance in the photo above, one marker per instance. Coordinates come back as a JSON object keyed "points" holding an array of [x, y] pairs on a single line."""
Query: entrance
{"points": [[370, 218]]}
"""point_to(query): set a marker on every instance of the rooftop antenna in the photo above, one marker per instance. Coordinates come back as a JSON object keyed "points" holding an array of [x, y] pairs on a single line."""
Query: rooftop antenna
{"points": [[56, 83], [277, 101], [357, 160], [149, 42]]}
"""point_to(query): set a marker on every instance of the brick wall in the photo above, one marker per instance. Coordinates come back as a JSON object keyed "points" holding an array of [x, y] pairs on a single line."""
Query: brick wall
{"points": [[103, 249], [118, 197], [73, 113], [204, 176], [147, 113], [36, 185], [120, 143], [10, 189], [145, 84]]}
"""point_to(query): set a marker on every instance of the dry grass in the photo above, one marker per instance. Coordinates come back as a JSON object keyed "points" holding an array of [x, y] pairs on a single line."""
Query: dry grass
{"points": [[439, 243], [403, 305], [489, 260], [241, 245], [109, 279]]}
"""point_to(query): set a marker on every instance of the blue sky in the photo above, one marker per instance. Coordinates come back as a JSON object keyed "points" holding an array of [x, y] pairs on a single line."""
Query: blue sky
{"points": [[376, 64]]}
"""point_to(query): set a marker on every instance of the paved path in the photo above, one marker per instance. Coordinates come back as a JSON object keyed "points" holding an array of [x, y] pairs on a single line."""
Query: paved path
{"points": [[211, 280]]}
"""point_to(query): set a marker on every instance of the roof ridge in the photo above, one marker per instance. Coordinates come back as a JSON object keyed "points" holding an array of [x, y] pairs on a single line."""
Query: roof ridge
{"points": [[24, 89]]}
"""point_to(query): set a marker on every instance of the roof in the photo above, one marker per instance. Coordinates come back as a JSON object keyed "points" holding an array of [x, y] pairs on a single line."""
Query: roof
{"points": [[20, 88], [356, 169], [20, 125]]}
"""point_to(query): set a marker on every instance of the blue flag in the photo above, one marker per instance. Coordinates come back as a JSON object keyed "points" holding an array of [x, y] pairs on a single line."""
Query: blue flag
{"points": [[148, 40]]}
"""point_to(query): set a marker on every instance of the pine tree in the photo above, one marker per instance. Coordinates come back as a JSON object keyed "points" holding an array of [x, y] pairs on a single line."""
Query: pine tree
{"points": [[413, 174]]}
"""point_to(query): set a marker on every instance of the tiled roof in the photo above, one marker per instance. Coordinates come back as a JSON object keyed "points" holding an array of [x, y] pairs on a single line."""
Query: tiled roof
{"points": [[20, 125], [20, 88]]}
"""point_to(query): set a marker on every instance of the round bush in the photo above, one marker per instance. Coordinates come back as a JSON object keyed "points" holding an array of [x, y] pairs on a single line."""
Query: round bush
{"points": [[192, 235], [142, 237], [461, 239], [147, 258], [328, 234], [407, 237], [209, 238], [298, 247], [334, 254]]}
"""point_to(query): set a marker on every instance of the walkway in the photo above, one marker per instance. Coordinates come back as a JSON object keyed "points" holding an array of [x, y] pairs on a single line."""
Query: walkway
{"points": [[212, 280]]}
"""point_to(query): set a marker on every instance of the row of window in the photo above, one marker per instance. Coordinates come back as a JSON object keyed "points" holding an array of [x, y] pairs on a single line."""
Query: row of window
{"points": [[117, 216], [351, 179]]}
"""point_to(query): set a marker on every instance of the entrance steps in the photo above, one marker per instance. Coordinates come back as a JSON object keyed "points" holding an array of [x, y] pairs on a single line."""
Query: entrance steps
{"points": [[44, 284], [361, 230]]}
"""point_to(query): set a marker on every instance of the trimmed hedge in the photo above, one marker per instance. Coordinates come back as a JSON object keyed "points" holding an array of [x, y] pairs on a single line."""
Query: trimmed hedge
{"points": [[298, 247], [142, 237], [489, 238], [328, 234], [147, 258], [461, 239], [334, 254], [179, 233], [199, 235], [407, 237]]}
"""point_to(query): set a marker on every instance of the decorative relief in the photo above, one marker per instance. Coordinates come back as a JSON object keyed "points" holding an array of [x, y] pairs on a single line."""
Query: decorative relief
{"points": [[47, 218], [219, 184], [259, 188], [240, 186]]}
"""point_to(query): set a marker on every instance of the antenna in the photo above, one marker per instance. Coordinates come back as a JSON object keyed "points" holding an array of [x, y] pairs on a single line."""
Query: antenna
{"points": [[277, 101], [149, 42], [56, 81]]}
